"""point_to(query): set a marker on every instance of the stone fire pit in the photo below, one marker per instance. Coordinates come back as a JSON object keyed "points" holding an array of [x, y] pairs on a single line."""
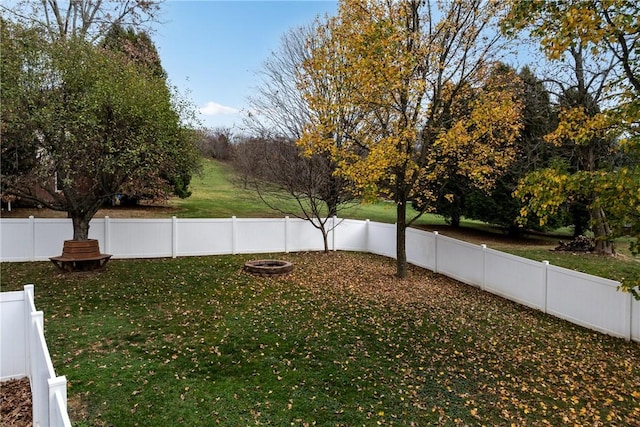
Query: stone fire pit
{"points": [[268, 267]]}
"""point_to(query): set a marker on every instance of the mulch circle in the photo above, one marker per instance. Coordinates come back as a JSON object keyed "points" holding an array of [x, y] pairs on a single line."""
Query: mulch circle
{"points": [[15, 403]]}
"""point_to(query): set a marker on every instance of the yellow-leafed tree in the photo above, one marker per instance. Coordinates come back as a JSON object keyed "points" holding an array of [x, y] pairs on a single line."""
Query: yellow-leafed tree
{"points": [[601, 41], [609, 32], [415, 80]]}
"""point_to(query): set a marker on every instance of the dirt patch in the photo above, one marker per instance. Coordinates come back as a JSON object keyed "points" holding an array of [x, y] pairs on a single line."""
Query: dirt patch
{"points": [[15, 403]]}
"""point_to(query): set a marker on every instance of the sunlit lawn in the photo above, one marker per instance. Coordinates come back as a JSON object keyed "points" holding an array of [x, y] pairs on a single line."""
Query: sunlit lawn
{"points": [[197, 342]]}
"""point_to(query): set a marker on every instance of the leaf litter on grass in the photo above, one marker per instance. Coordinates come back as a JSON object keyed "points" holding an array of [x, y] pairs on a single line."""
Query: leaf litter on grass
{"points": [[451, 346], [339, 341]]}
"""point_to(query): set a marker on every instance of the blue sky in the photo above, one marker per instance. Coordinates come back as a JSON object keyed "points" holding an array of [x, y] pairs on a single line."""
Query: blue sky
{"points": [[212, 50]]}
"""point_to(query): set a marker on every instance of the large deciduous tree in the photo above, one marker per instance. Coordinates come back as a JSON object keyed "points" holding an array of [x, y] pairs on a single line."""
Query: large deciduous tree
{"points": [[402, 70], [138, 48], [599, 109], [81, 122], [586, 136]]}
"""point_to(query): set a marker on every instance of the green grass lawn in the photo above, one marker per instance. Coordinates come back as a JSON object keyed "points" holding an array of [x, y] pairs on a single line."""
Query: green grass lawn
{"points": [[219, 193], [339, 342], [216, 193]]}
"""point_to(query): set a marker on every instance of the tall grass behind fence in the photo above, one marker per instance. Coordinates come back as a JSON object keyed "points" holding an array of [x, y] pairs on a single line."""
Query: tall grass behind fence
{"points": [[586, 300]]}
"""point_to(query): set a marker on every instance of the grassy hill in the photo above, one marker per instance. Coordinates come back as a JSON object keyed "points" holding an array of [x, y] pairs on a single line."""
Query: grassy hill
{"points": [[219, 193]]}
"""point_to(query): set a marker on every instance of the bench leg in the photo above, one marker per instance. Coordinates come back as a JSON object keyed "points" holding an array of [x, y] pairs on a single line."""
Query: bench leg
{"points": [[70, 266]]}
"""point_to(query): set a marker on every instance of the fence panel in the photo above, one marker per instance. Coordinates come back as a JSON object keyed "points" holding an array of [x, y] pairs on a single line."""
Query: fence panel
{"points": [[518, 279], [421, 248], [303, 236], [588, 301], [381, 239], [204, 237], [259, 235], [13, 352], [460, 260], [49, 236], [98, 231], [351, 235], [24, 352], [16, 240], [139, 238]]}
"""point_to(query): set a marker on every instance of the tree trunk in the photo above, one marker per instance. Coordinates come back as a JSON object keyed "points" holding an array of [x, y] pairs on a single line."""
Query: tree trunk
{"points": [[333, 198], [580, 216], [80, 226], [455, 217], [514, 230], [325, 238], [401, 238], [601, 232]]}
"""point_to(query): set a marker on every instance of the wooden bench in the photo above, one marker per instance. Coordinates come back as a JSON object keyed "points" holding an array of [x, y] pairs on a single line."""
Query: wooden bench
{"points": [[80, 255]]}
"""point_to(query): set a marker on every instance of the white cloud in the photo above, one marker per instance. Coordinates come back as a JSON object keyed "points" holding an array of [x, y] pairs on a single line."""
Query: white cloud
{"points": [[215, 109]]}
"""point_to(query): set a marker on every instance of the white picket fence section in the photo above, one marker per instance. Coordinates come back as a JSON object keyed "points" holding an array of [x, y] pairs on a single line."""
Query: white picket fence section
{"points": [[24, 353], [586, 300]]}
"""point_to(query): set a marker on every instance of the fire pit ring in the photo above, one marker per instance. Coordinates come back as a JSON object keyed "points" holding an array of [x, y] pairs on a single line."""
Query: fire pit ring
{"points": [[268, 267]]}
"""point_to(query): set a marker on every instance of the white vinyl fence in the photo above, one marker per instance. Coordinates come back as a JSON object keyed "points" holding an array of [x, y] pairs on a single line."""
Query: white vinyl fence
{"points": [[586, 300], [24, 353]]}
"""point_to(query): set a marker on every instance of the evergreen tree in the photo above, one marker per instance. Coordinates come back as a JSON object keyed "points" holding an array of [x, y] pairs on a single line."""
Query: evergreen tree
{"points": [[499, 206]]}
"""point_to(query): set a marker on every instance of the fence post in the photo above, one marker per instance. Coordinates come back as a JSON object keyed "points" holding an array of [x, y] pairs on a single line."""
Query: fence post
{"points": [[631, 330], [233, 235], [484, 266], [333, 233], [366, 236], [57, 385], [435, 252], [174, 236], [545, 284], [28, 296], [286, 234], [31, 238], [37, 321], [107, 235], [628, 335]]}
